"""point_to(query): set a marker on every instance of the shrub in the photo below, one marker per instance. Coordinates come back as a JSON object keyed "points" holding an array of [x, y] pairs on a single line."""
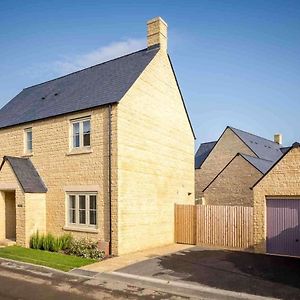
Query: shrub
{"points": [[66, 241], [56, 245], [48, 242], [35, 241], [85, 248], [77, 247]]}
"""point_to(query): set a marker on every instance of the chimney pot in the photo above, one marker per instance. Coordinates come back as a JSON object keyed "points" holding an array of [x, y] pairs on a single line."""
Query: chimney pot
{"points": [[157, 33], [278, 138]]}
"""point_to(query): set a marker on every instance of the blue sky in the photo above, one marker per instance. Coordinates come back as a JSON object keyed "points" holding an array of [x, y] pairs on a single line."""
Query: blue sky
{"points": [[237, 62]]}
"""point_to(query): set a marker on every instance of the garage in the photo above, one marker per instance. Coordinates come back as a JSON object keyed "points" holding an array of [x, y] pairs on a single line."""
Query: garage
{"points": [[276, 206], [283, 226]]}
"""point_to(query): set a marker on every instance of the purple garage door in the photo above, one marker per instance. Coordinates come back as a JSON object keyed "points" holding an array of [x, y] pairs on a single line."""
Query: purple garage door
{"points": [[283, 226]]}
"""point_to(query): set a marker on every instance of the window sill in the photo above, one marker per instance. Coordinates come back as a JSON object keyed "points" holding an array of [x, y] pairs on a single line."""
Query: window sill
{"points": [[80, 151], [81, 229]]}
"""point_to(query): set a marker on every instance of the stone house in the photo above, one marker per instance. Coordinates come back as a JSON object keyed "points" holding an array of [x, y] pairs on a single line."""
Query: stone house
{"points": [[102, 153], [277, 206], [226, 169]]}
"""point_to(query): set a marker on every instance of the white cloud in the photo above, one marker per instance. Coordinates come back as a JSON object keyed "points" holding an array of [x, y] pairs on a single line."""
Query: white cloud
{"points": [[113, 50]]}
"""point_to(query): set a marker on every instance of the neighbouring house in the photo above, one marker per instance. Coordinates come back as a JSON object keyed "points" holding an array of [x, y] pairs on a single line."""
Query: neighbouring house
{"points": [[102, 153], [226, 169], [277, 206]]}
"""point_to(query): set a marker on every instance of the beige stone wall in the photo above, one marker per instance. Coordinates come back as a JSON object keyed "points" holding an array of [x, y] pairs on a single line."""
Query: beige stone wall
{"points": [[155, 158], [59, 169], [35, 214], [282, 181], [2, 216], [227, 147], [232, 186]]}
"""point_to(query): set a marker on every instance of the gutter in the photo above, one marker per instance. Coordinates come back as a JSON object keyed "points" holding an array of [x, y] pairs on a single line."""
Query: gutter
{"points": [[109, 178]]}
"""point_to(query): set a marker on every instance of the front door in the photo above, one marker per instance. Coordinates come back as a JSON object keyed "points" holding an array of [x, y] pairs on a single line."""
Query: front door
{"points": [[10, 215]]}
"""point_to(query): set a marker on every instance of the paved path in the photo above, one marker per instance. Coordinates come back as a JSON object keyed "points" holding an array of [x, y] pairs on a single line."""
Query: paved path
{"points": [[119, 262]]}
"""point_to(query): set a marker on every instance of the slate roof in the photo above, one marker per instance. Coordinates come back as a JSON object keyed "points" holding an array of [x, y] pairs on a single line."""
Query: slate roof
{"points": [[26, 174], [95, 86], [262, 147], [202, 153], [285, 149], [262, 165]]}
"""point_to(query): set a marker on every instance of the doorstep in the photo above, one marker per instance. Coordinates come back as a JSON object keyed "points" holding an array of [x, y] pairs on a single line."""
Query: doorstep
{"points": [[118, 262], [7, 242]]}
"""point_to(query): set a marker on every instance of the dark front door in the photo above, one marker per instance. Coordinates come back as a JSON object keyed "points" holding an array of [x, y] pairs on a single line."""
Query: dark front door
{"points": [[283, 226]]}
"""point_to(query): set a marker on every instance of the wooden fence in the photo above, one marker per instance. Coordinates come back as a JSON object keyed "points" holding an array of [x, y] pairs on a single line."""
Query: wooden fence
{"points": [[209, 225]]}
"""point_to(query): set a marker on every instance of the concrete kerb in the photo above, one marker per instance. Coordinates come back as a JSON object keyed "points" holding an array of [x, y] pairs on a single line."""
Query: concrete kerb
{"points": [[182, 288]]}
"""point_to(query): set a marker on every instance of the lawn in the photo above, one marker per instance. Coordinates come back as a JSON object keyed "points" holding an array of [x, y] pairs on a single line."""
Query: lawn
{"points": [[58, 261]]}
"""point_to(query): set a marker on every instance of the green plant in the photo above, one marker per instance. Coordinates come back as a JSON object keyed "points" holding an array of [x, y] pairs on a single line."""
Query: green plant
{"points": [[35, 241], [56, 244], [66, 241], [85, 248], [78, 247], [48, 242]]}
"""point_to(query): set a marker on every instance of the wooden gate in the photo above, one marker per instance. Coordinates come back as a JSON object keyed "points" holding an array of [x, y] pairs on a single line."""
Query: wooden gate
{"points": [[219, 226], [185, 225]]}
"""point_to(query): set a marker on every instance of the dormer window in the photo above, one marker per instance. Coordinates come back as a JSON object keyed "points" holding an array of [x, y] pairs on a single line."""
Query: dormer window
{"points": [[81, 133], [28, 140]]}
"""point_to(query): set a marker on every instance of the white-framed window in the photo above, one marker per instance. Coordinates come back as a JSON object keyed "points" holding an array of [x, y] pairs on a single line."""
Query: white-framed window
{"points": [[28, 140], [80, 133], [82, 209]]}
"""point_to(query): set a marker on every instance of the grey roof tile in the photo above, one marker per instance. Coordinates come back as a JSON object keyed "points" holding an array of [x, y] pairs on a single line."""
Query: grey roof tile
{"points": [[26, 174], [95, 86], [202, 153], [262, 165], [285, 149], [262, 147]]}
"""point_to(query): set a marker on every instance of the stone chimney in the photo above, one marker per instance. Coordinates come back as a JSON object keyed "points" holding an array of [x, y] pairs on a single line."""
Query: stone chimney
{"points": [[157, 33], [278, 138]]}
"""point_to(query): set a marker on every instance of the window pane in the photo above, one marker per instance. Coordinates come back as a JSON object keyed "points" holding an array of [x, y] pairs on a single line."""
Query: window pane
{"points": [[86, 140], [29, 145], [81, 202], [76, 139], [93, 217], [92, 202], [72, 201], [86, 133], [82, 216], [29, 140], [93, 211], [82, 209], [72, 211], [29, 135], [87, 126], [72, 216]]}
